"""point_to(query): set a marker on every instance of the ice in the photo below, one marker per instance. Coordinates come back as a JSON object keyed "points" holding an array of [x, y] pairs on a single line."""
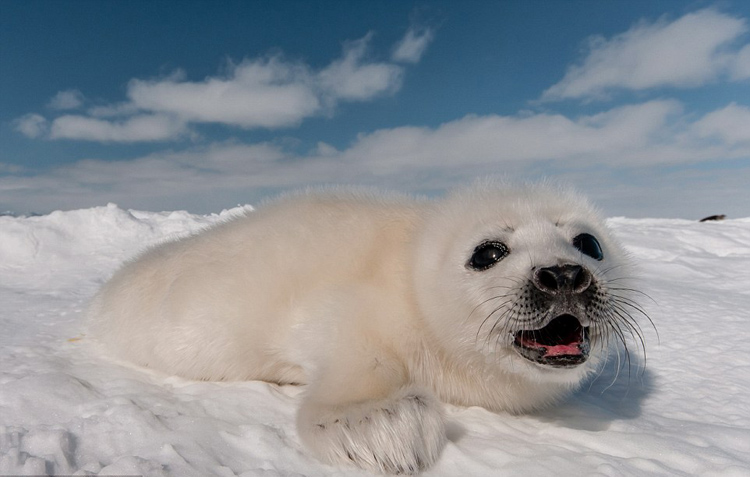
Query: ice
{"points": [[65, 408]]}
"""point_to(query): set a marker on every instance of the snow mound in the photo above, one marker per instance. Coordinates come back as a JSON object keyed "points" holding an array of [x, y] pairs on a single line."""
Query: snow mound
{"points": [[65, 409]]}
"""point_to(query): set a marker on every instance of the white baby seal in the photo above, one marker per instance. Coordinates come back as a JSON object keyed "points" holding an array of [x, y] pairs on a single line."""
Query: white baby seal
{"points": [[498, 296]]}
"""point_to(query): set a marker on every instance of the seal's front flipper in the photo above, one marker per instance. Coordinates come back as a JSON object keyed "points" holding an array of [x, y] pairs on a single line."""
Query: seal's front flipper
{"points": [[401, 434]]}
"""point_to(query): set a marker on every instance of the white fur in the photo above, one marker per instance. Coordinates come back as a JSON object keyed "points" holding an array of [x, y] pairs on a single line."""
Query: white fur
{"points": [[366, 299]]}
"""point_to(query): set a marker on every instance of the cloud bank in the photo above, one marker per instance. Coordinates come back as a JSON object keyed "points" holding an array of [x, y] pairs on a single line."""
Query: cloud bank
{"points": [[595, 152]]}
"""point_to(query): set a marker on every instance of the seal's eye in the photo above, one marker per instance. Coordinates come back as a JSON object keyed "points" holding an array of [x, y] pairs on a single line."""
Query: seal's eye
{"points": [[588, 245], [487, 254]]}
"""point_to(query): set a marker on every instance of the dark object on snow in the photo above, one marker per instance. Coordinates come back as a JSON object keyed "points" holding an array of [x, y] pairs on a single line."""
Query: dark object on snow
{"points": [[713, 217]]}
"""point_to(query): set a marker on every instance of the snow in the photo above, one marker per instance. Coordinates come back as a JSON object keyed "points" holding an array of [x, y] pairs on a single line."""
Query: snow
{"points": [[65, 408]]}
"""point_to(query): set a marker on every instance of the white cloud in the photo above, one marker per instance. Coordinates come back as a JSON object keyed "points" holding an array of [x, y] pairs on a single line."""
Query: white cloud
{"points": [[730, 125], [482, 140], [69, 99], [271, 92], [690, 51], [353, 79], [133, 129], [740, 67], [413, 45], [31, 125], [260, 93]]}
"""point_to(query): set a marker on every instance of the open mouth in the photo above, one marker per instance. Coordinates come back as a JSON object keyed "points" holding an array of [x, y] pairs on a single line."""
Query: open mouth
{"points": [[563, 343]]}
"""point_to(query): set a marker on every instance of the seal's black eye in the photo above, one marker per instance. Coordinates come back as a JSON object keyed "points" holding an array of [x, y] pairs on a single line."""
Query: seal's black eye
{"points": [[588, 245], [487, 254]]}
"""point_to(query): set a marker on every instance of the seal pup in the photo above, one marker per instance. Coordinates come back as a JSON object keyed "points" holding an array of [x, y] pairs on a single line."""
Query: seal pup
{"points": [[500, 296]]}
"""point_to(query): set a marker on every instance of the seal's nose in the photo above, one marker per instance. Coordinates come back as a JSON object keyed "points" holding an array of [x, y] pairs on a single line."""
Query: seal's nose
{"points": [[562, 279]]}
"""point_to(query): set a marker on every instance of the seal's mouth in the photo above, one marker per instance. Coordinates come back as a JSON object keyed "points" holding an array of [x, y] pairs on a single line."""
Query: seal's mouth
{"points": [[563, 343]]}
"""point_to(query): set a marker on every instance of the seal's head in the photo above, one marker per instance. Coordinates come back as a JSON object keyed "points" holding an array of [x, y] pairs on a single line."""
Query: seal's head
{"points": [[527, 278]]}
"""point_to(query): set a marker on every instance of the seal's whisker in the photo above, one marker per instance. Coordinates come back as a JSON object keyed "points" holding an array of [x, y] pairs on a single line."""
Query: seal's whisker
{"points": [[629, 289], [627, 318], [621, 312], [621, 336], [618, 367], [608, 269], [636, 335], [635, 306], [484, 302], [619, 363], [500, 307]]}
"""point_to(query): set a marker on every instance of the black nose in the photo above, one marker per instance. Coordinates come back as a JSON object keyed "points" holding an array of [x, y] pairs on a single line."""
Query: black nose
{"points": [[562, 279]]}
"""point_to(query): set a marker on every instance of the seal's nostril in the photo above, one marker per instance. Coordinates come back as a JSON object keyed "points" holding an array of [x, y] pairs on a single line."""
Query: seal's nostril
{"points": [[582, 280], [546, 279]]}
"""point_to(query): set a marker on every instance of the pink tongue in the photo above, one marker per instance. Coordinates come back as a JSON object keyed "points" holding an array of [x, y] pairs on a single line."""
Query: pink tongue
{"points": [[567, 349], [563, 350]]}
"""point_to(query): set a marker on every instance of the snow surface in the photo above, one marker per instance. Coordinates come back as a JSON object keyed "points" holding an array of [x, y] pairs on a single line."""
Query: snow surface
{"points": [[67, 409]]}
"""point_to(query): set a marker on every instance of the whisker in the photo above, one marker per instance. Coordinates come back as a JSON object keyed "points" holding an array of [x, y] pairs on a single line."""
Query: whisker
{"points": [[484, 302], [632, 304], [490, 316]]}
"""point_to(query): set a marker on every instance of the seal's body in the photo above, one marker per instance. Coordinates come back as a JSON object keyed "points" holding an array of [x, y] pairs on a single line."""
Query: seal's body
{"points": [[382, 306]]}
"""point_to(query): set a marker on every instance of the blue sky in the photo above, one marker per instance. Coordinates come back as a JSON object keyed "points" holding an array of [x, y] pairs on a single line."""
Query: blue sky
{"points": [[203, 105]]}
